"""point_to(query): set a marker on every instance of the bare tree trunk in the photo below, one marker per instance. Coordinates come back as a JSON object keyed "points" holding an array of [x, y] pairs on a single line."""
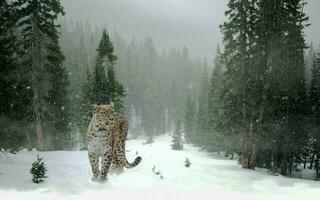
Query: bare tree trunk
{"points": [[291, 167], [244, 153], [37, 76], [305, 162], [40, 140], [38, 115], [312, 160], [254, 130], [253, 157], [284, 166], [316, 166], [250, 147], [28, 136]]}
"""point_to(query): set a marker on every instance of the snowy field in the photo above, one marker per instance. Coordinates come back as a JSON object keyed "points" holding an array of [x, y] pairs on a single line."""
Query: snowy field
{"points": [[209, 177]]}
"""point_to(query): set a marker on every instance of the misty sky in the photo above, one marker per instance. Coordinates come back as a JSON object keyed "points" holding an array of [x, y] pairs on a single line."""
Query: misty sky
{"points": [[193, 23]]}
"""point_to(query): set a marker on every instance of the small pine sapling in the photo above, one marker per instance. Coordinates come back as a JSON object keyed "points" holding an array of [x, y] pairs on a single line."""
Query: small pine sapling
{"points": [[38, 170], [187, 163], [177, 138]]}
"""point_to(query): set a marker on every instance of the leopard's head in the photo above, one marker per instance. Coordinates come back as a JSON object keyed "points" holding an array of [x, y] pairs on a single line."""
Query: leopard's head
{"points": [[104, 114]]}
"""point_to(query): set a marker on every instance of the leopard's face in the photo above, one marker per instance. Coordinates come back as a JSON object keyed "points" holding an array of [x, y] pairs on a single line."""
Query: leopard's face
{"points": [[103, 115]]}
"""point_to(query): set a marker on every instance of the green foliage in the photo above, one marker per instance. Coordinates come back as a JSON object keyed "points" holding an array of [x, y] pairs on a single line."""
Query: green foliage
{"points": [[156, 83], [177, 143], [189, 120], [59, 105], [187, 163], [314, 118], [258, 105], [41, 64], [15, 93], [38, 170], [106, 88], [85, 105]]}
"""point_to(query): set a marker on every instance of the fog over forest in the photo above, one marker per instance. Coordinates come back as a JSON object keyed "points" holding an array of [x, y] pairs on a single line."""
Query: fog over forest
{"points": [[191, 23], [178, 95]]}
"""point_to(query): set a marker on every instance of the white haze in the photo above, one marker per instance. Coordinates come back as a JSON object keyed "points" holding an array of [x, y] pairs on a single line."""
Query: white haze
{"points": [[171, 23]]}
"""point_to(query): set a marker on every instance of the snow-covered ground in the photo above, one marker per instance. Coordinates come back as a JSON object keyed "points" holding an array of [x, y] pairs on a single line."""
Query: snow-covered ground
{"points": [[209, 177]]}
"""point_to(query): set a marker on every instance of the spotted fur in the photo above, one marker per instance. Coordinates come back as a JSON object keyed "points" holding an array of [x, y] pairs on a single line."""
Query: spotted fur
{"points": [[119, 159], [106, 136]]}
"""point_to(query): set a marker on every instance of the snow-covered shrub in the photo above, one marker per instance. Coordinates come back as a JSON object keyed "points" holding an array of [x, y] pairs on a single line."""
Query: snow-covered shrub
{"points": [[187, 163], [177, 138], [38, 170]]}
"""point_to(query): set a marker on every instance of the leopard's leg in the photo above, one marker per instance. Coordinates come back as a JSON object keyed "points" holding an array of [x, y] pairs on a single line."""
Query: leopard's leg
{"points": [[120, 150], [105, 165], [113, 165], [94, 162], [116, 163], [119, 163]]}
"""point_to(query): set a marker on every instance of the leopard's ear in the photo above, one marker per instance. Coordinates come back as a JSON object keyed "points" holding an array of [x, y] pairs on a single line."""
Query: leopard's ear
{"points": [[112, 105], [94, 107]]}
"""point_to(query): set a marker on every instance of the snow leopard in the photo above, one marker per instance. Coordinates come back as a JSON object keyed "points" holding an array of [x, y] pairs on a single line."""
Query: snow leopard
{"points": [[106, 137]]}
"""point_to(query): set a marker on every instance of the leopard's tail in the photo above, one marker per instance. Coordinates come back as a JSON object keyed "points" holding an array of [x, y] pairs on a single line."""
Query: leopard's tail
{"points": [[135, 162]]}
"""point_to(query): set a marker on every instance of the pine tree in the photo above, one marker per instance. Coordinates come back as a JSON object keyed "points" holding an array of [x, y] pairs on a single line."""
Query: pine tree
{"points": [[59, 111], [315, 115], [115, 89], [39, 39], [7, 71], [152, 110], [106, 87], [217, 141], [239, 95], [187, 163], [309, 65], [177, 137], [202, 116], [38, 170], [15, 96], [100, 88], [189, 120], [85, 106], [297, 138], [282, 43], [264, 95]]}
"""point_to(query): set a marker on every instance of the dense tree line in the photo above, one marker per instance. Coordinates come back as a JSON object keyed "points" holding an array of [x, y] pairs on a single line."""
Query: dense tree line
{"points": [[34, 81], [43, 94], [13, 111], [55, 69], [263, 96], [156, 83]]}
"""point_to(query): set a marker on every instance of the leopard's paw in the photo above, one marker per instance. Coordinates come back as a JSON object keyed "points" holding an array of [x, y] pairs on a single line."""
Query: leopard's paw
{"points": [[102, 179], [94, 179]]}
